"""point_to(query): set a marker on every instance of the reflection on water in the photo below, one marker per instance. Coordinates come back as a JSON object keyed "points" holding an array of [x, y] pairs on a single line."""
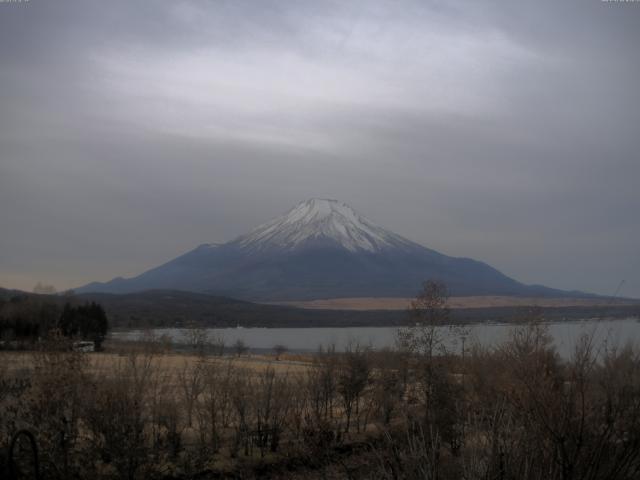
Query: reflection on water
{"points": [[565, 334]]}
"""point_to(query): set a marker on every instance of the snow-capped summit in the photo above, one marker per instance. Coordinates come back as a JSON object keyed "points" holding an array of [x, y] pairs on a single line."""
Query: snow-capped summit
{"points": [[321, 221]]}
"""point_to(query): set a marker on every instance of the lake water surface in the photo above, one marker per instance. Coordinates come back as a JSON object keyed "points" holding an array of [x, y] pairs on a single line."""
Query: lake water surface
{"points": [[565, 335]]}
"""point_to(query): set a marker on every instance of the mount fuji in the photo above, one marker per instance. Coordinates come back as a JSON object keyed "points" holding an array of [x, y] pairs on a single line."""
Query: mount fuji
{"points": [[320, 249]]}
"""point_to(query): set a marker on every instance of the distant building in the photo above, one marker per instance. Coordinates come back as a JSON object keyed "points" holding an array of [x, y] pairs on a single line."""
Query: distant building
{"points": [[84, 346]]}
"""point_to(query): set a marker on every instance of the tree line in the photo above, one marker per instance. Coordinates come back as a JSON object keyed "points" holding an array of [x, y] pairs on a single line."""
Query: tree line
{"points": [[27, 319]]}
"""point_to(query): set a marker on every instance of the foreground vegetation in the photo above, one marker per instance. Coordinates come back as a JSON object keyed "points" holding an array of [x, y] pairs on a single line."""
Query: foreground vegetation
{"points": [[518, 411]]}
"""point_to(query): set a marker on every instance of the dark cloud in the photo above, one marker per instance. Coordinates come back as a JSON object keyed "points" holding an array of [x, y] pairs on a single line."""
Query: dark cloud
{"points": [[504, 131]]}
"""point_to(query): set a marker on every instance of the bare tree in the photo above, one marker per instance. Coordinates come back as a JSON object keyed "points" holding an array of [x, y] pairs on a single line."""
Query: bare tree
{"points": [[279, 349], [271, 398], [241, 401], [54, 404], [117, 416], [218, 344], [215, 409], [190, 382], [299, 401], [197, 338], [353, 377], [388, 391], [321, 384], [428, 312], [240, 347]]}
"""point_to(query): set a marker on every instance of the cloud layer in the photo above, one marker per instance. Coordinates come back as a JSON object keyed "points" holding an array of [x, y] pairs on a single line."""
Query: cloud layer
{"points": [[132, 131]]}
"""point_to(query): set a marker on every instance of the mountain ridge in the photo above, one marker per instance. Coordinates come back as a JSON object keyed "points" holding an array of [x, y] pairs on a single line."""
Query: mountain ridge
{"points": [[174, 308], [321, 248]]}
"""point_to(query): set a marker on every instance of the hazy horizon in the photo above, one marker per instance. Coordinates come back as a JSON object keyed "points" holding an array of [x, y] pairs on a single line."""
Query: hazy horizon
{"points": [[130, 133]]}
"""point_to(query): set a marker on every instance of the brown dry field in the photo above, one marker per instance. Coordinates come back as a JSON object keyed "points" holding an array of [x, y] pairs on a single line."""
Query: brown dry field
{"points": [[387, 303], [23, 361]]}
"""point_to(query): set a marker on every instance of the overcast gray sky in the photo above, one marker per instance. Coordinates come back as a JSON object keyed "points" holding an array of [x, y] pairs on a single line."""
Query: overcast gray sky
{"points": [[509, 132]]}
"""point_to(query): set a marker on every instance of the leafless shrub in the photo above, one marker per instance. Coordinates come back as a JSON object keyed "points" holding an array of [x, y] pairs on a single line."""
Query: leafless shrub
{"points": [[271, 396], [117, 416], [321, 385], [240, 347], [215, 408], [279, 350], [354, 375], [243, 413], [411, 453], [53, 406], [217, 344], [151, 343], [197, 338], [388, 393], [190, 384]]}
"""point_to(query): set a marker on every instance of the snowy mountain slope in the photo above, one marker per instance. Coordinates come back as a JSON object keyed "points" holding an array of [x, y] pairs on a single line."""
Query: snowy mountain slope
{"points": [[322, 221], [319, 249]]}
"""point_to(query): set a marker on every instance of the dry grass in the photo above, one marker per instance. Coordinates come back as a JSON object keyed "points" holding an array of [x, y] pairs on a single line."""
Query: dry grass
{"points": [[169, 363], [149, 412], [387, 303]]}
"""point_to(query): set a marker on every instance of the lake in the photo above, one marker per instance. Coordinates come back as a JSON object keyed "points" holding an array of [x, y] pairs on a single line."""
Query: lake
{"points": [[617, 332]]}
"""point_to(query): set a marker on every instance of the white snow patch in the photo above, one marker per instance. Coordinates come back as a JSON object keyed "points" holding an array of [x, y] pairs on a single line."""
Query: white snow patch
{"points": [[322, 219]]}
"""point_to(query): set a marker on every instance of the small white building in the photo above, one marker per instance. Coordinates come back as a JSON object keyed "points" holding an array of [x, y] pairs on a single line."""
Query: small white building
{"points": [[84, 346]]}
